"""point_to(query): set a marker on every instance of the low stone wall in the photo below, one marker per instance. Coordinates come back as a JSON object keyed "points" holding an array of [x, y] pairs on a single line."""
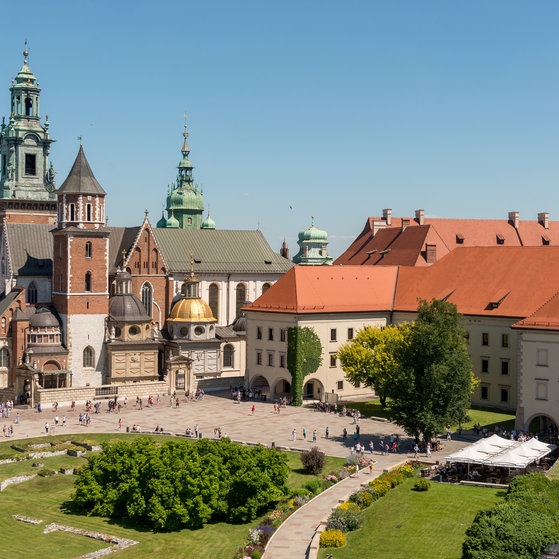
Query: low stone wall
{"points": [[220, 384]]}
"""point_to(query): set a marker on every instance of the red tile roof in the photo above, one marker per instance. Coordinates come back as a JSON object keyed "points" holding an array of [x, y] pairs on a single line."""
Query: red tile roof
{"points": [[407, 245], [322, 289]]}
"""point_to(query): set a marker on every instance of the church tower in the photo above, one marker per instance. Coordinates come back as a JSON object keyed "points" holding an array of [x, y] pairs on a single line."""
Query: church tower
{"points": [[80, 271], [27, 187], [185, 203]]}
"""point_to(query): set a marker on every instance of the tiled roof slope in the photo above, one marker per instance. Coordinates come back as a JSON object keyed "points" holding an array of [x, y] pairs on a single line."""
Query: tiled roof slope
{"points": [[322, 289], [407, 246], [491, 281], [30, 248], [219, 251], [545, 318], [81, 179]]}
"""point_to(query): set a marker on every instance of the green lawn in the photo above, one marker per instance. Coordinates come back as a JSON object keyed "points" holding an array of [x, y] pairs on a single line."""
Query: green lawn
{"points": [[486, 417], [42, 498], [408, 524]]}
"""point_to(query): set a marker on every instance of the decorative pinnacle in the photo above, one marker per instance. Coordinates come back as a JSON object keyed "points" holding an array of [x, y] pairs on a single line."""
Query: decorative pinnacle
{"points": [[80, 138], [25, 53], [123, 257], [185, 149]]}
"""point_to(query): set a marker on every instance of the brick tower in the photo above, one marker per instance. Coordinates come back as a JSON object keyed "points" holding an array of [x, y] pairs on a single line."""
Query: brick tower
{"points": [[80, 272]]}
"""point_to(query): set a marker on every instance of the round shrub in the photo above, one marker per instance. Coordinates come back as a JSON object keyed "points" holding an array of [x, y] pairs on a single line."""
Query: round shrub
{"points": [[407, 470], [422, 485], [313, 460], [300, 500], [394, 478], [362, 499], [345, 518], [332, 538], [380, 486], [299, 492], [256, 554], [314, 486]]}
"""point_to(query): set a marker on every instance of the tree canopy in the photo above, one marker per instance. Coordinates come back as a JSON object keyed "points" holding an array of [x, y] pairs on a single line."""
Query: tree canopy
{"points": [[179, 484], [304, 357], [371, 357]]}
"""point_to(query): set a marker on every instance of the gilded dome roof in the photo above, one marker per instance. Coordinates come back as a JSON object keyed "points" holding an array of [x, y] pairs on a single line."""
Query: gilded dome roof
{"points": [[191, 310]]}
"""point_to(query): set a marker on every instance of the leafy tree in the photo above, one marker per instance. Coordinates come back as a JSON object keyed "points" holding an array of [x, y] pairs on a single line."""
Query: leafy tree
{"points": [[371, 357], [433, 383], [304, 357]]}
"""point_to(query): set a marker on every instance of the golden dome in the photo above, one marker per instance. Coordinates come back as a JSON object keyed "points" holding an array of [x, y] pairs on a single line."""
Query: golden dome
{"points": [[191, 310]]}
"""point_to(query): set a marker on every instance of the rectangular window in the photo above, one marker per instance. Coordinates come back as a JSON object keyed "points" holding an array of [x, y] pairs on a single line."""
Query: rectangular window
{"points": [[333, 335], [504, 367], [270, 359], [282, 361], [485, 392], [259, 358], [485, 338], [350, 333], [258, 333], [271, 334], [332, 360], [282, 335], [541, 390], [504, 395], [485, 365], [30, 164], [504, 340], [542, 358], [340, 385]]}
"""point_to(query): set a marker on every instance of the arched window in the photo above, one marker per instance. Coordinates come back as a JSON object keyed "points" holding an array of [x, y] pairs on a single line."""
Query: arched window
{"points": [[88, 212], [28, 106], [214, 300], [265, 288], [32, 293], [147, 297], [228, 357], [240, 298], [88, 281], [89, 357], [4, 357], [72, 212], [88, 249]]}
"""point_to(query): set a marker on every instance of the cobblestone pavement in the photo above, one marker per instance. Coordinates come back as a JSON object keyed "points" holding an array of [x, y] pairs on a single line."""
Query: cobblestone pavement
{"points": [[239, 423]]}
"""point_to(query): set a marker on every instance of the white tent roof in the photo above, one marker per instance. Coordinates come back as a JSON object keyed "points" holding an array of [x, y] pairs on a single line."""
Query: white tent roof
{"points": [[500, 452]]}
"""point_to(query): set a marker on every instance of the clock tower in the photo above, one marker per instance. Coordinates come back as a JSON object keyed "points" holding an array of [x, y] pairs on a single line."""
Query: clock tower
{"points": [[27, 186]]}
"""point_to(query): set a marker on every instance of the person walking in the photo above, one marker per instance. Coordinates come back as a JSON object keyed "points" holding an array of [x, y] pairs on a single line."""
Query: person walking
{"points": [[327, 431], [294, 434], [428, 450], [416, 451], [314, 436], [253, 409]]}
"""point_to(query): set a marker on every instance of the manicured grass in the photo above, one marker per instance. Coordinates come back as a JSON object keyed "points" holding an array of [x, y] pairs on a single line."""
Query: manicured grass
{"points": [[420, 525], [43, 498], [486, 417]]}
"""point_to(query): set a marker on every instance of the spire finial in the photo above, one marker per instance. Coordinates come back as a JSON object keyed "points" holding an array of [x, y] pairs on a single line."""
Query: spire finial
{"points": [[185, 149], [25, 53], [191, 264], [123, 257], [146, 213], [312, 220], [80, 139]]}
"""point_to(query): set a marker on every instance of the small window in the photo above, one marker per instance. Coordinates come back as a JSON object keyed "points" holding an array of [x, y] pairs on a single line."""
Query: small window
{"points": [[504, 340], [4, 357], [459, 239], [542, 358], [258, 333], [340, 385], [485, 338], [282, 335], [32, 293], [89, 357], [282, 361], [504, 395], [184, 331], [541, 390], [333, 335], [88, 212], [271, 334], [270, 359], [88, 281], [259, 358], [228, 354], [332, 360], [485, 392], [147, 297], [485, 365], [72, 212], [500, 239], [133, 330], [199, 330], [504, 367], [88, 249], [265, 288], [30, 164], [350, 333]]}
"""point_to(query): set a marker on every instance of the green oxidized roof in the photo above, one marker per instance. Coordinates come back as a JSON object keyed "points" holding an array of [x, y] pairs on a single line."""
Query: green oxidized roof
{"points": [[313, 234], [208, 223]]}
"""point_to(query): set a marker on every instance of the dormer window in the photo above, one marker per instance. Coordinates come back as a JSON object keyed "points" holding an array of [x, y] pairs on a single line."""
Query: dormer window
{"points": [[500, 239], [459, 239]]}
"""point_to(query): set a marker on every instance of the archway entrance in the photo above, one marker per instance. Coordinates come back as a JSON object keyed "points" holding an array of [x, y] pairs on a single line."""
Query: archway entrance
{"points": [[260, 383], [313, 390], [543, 426], [282, 388]]}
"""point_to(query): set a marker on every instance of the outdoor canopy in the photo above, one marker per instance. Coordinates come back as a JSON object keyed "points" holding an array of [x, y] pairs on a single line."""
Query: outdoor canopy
{"points": [[499, 452]]}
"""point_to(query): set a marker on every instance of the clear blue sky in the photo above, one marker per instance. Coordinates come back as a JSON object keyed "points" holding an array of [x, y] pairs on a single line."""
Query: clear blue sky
{"points": [[300, 108]]}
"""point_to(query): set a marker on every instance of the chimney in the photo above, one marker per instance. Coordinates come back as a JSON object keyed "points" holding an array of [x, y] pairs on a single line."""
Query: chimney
{"points": [[430, 253], [405, 223], [387, 216], [514, 218], [543, 219], [419, 216]]}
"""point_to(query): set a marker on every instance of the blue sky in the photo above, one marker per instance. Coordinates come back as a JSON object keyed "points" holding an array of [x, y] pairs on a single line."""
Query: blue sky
{"points": [[300, 108]]}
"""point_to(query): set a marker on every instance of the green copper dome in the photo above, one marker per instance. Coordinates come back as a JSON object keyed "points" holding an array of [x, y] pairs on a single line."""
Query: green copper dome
{"points": [[208, 223], [313, 234], [162, 223], [172, 222]]}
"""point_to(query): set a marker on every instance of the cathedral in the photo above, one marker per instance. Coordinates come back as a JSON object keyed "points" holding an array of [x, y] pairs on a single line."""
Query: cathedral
{"points": [[89, 311]]}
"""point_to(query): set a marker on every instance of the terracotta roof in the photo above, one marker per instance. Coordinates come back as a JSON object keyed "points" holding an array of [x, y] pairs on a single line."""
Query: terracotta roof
{"points": [[321, 289], [408, 246], [545, 318], [493, 281]]}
